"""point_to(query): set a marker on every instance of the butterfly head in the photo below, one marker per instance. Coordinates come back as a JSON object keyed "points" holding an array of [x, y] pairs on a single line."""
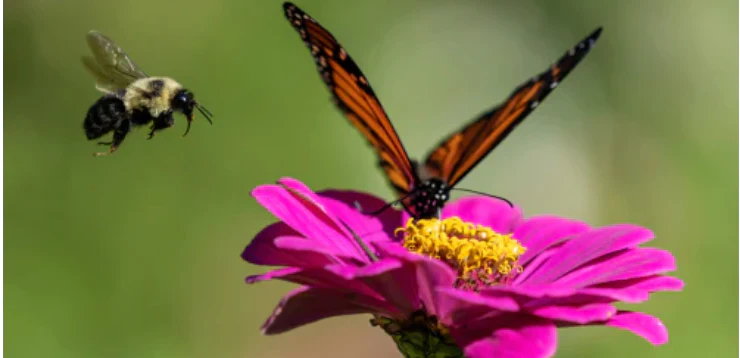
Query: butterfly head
{"points": [[429, 198]]}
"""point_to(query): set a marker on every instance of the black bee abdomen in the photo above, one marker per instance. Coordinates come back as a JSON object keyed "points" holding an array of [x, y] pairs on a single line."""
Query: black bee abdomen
{"points": [[106, 114], [429, 198]]}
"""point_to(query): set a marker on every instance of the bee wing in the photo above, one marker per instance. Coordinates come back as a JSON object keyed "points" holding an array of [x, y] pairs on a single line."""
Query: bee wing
{"points": [[104, 82], [112, 68]]}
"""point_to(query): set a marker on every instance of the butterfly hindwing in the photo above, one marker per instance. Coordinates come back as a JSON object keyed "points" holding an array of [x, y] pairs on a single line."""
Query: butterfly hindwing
{"points": [[462, 151], [354, 96]]}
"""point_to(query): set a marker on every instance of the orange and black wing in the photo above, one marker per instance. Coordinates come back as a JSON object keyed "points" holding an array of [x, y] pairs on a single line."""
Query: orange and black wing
{"points": [[354, 96], [462, 151]]}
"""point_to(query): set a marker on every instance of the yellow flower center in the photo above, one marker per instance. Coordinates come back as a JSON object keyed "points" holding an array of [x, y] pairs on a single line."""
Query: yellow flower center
{"points": [[480, 255]]}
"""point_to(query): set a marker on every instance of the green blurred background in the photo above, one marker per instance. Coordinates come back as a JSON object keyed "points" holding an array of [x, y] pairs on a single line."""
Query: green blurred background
{"points": [[137, 254]]}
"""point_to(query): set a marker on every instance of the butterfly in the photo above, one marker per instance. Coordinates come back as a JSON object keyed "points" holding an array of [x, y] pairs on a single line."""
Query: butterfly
{"points": [[423, 189]]}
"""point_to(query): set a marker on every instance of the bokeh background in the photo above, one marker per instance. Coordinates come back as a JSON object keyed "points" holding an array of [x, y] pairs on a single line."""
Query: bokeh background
{"points": [[137, 254]]}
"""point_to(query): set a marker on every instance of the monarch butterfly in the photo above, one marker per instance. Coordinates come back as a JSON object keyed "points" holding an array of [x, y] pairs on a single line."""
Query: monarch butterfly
{"points": [[423, 189]]}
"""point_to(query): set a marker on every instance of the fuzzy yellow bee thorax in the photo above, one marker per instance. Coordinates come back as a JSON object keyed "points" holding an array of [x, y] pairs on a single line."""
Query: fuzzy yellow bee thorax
{"points": [[152, 93]]}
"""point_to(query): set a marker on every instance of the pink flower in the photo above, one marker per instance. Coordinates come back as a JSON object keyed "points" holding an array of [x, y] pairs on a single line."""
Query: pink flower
{"points": [[498, 288]]}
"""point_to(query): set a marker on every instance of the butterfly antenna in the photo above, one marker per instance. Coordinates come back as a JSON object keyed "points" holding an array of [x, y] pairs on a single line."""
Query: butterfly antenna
{"points": [[386, 206], [205, 112], [485, 194], [368, 252], [383, 208]]}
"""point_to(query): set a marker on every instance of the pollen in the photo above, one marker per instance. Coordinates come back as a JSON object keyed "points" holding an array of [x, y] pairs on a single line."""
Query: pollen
{"points": [[481, 256]]}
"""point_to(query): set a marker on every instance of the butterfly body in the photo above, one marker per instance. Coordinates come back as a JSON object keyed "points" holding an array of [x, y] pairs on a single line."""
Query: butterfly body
{"points": [[429, 198], [423, 188]]}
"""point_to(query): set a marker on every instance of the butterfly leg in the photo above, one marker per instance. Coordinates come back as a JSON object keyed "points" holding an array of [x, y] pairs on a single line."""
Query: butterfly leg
{"points": [[118, 136], [358, 206], [162, 122]]}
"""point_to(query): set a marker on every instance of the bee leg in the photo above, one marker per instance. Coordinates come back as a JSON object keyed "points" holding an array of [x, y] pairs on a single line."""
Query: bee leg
{"points": [[105, 143], [162, 122], [118, 136]]}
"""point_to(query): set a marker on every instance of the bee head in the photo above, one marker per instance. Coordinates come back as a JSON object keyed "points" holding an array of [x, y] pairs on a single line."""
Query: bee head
{"points": [[184, 102]]}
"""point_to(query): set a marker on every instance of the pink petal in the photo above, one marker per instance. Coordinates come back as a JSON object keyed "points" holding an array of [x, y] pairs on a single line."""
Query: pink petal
{"points": [[289, 250], [339, 204], [611, 295], [309, 253], [462, 306], [631, 263], [649, 284], [297, 185], [631, 291], [429, 274], [547, 290], [641, 324], [320, 278], [586, 247], [379, 226], [539, 233], [365, 229], [391, 279], [580, 314], [547, 295], [494, 213], [534, 264], [308, 218], [262, 249], [305, 305], [252, 279], [536, 340]]}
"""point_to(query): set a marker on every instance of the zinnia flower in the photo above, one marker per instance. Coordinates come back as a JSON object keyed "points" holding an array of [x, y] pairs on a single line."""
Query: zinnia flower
{"points": [[479, 282]]}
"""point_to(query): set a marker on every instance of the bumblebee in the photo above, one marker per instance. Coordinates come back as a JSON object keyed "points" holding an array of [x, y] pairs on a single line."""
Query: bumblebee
{"points": [[131, 98]]}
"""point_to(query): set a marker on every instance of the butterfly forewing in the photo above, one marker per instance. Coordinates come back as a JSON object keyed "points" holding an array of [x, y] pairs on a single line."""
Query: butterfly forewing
{"points": [[354, 96], [462, 151]]}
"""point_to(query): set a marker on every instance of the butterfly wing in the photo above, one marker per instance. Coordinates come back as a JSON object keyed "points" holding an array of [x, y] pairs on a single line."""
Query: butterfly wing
{"points": [[110, 65], [354, 96], [462, 151]]}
